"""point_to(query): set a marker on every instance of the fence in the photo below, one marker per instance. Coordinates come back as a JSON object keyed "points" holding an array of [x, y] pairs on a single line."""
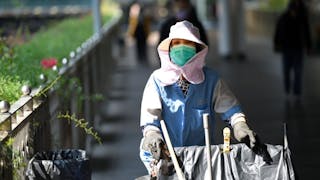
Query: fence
{"points": [[32, 121], [33, 3]]}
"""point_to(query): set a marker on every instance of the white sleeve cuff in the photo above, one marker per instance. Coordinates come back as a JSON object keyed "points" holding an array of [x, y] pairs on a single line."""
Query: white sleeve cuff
{"points": [[150, 128], [237, 117]]}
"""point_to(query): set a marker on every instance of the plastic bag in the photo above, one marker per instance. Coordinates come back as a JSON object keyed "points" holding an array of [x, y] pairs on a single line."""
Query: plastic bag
{"points": [[240, 163], [70, 164]]}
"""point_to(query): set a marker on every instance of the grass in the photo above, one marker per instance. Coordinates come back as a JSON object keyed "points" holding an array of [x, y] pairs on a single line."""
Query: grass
{"points": [[56, 41], [274, 5]]}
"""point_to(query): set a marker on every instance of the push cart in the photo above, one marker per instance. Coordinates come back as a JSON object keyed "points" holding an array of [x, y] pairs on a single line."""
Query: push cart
{"points": [[240, 163]]}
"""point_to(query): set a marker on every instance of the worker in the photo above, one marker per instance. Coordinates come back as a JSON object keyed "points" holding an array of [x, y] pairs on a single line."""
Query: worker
{"points": [[180, 92]]}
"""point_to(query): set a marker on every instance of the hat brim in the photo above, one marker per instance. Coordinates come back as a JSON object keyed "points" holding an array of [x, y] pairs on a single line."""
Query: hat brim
{"points": [[165, 44]]}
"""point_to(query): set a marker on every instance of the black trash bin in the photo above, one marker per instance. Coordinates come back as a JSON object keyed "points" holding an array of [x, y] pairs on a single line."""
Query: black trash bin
{"points": [[69, 164]]}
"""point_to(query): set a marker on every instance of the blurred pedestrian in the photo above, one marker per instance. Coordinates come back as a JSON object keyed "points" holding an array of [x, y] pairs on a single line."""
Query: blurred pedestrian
{"points": [[139, 29], [292, 40], [183, 10]]}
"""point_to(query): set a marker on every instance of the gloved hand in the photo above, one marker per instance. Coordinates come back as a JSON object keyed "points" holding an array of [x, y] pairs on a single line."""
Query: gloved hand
{"points": [[167, 167], [153, 143], [262, 150], [243, 133]]}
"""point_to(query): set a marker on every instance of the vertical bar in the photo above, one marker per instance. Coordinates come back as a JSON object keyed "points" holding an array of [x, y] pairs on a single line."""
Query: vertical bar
{"points": [[96, 16], [285, 139], [171, 151], [225, 29], [205, 118]]}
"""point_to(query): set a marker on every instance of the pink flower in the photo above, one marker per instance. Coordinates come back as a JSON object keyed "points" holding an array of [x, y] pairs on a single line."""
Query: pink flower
{"points": [[47, 63]]}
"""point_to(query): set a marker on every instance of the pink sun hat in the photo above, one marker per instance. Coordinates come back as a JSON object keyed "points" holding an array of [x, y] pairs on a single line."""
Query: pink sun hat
{"points": [[181, 30], [169, 72]]}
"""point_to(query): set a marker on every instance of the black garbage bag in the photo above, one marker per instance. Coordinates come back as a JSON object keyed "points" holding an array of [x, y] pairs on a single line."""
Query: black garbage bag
{"points": [[69, 164], [240, 163]]}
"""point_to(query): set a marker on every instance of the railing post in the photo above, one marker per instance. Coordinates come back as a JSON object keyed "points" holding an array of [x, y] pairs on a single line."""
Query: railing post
{"points": [[5, 129], [96, 15]]}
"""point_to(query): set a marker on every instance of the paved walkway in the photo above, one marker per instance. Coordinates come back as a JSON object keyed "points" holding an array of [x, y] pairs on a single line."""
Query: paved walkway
{"points": [[257, 83]]}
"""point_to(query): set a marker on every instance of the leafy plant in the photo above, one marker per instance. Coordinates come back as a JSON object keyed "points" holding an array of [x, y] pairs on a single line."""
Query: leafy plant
{"points": [[21, 65], [81, 123], [10, 88], [64, 88], [6, 52], [48, 87], [23, 62], [11, 157]]}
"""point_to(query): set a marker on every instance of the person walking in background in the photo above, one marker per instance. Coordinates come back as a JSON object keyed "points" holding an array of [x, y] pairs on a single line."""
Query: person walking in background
{"points": [[292, 39], [183, 10], [139, 29]]}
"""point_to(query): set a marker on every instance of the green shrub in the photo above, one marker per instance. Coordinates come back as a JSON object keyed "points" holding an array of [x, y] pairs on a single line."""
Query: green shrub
{"points": [[274, 5], [10, 87], [57, 41]]}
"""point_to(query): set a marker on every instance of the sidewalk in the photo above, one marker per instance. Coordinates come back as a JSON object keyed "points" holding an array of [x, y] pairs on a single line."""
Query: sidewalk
{"points": [[257, 82], [118, 157]]}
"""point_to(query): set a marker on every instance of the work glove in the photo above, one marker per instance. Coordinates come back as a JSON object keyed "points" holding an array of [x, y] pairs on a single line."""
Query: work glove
{"points": [[167, 167], [153, 143], [262, 150], [244, 134]]}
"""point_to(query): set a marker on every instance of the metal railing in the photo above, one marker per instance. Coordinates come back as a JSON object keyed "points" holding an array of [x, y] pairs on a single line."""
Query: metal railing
{"points": [[34, 3], [32, 123]]}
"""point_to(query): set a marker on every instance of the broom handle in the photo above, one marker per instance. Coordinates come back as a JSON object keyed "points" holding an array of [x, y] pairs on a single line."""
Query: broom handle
{"points": [[171, 151], [205, 118]]}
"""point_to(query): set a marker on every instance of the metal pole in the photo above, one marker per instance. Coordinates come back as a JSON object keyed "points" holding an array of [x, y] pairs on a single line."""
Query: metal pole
{"points": [[171, 150], [285, 138], [96, 16], [201, 6], [205, 118], [225, 29]]}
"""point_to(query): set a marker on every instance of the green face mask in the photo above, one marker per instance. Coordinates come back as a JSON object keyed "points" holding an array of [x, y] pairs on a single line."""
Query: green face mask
{"points": [[181, 54]]}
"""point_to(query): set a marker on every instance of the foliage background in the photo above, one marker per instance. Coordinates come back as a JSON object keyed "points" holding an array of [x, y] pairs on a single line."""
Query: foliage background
{"points": [[21, 64]]}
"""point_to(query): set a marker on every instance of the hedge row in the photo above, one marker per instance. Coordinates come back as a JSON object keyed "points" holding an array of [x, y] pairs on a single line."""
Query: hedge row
{"points": [[21, 64]]}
